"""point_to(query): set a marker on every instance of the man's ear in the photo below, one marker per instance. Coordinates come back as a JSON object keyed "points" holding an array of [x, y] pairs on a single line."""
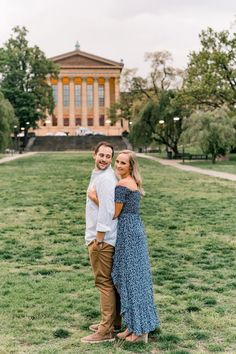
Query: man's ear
{"points": [[94, 156]]}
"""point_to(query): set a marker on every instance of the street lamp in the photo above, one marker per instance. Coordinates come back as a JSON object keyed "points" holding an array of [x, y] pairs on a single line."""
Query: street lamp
{"points": [[175, 119], [108, 122], [15, 136], [26, 134]]}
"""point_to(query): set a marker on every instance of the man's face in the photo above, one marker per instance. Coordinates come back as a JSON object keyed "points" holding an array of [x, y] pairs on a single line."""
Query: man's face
{"points": [[103, 158]]}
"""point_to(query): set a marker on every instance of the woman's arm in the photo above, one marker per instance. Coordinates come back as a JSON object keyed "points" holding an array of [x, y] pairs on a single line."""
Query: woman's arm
{"points": [[118, 208]]}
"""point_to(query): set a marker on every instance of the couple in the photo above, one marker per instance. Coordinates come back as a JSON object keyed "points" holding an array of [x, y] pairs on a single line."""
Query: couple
{"points": [[118, 249]]}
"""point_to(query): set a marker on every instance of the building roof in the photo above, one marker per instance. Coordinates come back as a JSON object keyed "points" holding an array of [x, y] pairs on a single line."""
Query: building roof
{"points": [[78, 59]]}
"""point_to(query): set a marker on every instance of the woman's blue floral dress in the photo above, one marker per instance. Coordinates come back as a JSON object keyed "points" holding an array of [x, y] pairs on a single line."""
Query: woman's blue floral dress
{"points": [[131, 271]]}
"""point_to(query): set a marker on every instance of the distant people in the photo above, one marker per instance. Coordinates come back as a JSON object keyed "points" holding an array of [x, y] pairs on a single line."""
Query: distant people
{"points": [[131, 269], [100, 237]]}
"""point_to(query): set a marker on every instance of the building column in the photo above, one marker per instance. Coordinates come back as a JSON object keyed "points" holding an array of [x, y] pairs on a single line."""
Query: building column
{"points": [[60, 104], [95, 103], [107, 96], [72, 103], [84, 102], [117, 89], [117, 98]]}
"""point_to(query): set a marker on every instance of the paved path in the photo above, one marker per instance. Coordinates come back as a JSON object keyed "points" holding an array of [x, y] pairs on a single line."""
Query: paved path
{"points": [[176, 164], [16, 156]]}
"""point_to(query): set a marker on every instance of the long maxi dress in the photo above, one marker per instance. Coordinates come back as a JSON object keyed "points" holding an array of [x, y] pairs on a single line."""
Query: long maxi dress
{"points": [[131, 271]]}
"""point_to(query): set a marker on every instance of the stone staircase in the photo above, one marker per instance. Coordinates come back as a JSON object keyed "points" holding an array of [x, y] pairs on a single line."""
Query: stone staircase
{"points": [[73, 143]]}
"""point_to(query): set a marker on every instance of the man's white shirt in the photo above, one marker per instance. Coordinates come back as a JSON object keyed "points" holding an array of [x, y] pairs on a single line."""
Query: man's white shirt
{"points": [[100, 218]]}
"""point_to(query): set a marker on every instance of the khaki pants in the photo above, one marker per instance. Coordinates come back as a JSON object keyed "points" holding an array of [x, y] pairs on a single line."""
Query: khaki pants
{"points": [[101, 256]]}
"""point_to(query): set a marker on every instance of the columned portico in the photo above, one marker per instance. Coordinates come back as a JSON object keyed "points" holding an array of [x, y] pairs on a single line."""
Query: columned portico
{"points": [[87, 87]]}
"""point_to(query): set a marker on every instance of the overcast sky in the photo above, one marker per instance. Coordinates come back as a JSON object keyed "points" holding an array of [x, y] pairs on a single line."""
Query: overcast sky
{"points": [[117, 29]]}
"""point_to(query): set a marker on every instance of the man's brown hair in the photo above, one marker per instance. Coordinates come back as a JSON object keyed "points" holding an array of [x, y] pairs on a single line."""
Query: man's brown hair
{"points": [[103, 143]]}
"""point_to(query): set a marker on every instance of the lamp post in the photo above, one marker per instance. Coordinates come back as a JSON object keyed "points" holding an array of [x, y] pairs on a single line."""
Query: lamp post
{"points": [[47, 122], [25, 130], [175, 119], [108, 122], [15, 137], [162, 122], [21, 147]]}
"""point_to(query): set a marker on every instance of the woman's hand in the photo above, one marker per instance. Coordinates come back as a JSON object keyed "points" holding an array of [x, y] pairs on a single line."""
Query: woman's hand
{"points": [[92, 194]]}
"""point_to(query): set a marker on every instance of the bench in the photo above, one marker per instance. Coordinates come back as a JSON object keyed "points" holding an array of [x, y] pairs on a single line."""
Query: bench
{"points": [[187, 156], [198, 157]]}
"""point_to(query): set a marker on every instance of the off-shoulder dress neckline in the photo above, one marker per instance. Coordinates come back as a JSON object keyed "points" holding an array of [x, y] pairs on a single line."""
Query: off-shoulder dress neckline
{"points": [[131, 190]]}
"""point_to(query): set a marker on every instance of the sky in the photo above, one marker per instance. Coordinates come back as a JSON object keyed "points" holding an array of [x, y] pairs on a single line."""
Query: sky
{"points": [[117, 29]]}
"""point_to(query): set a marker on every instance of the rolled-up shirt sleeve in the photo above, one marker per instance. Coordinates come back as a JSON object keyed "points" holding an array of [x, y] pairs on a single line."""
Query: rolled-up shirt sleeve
{"points": [[105, 192]]}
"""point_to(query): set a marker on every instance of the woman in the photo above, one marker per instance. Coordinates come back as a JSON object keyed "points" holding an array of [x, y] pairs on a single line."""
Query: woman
{"points": [[131, 269]]}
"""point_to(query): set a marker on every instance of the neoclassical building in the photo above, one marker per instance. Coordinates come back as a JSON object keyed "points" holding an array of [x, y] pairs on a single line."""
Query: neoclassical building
{"points": [[86, 88]]}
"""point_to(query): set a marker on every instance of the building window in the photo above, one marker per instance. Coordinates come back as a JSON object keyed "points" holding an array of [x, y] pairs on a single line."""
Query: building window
{"points": [[77, 121], [66, 95], [102, 120], [54, 93], [66, 122], [90, 122], [90, 95], [77, 95], [101, 95]]}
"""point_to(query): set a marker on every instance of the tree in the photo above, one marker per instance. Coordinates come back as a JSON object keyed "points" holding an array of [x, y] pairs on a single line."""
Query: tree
{"points": [[211, 75], [156, 122], [24, 71], [137, 91], [214, 131], [7, 121]]}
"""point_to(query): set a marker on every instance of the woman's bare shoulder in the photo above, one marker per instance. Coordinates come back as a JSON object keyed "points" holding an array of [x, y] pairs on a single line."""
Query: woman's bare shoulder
{"points": [[122, 182], [127, 183]]}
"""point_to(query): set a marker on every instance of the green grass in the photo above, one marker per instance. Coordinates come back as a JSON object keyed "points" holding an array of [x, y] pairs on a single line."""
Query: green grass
{"points": [[222, 166], [47, 294]]}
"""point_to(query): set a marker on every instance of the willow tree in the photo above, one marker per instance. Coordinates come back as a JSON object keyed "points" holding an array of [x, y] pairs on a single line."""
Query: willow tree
{"points": [[214, 131], [160, 121]]}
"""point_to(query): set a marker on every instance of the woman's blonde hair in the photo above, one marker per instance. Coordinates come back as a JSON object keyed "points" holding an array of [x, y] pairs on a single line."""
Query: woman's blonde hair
{"points": [[134, 168]]}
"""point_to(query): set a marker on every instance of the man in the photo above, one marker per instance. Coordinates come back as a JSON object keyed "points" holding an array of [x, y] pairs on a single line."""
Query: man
{"points": [[100, 237]]}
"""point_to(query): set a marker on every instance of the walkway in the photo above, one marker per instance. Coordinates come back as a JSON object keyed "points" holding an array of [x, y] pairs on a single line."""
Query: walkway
{"points": [[176, 164], [16, 156]]}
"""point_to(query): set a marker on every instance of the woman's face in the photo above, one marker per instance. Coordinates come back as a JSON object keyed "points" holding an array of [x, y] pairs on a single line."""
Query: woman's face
{"points": [[122, 165]]}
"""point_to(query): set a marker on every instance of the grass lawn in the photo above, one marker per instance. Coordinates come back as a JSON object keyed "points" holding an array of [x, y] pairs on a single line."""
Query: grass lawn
{"points": [[222, 166], [47, 294]]}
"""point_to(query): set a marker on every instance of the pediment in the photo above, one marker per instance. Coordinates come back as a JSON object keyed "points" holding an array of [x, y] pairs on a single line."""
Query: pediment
{"points": [[81, 59]]}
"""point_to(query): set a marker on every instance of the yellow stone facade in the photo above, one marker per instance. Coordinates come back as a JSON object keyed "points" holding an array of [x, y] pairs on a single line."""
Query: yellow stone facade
{"points": [[86, 88]]}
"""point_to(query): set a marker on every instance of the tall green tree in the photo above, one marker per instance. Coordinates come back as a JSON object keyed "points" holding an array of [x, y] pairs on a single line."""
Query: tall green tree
{"points": [[7, 121], [214, 131], [211, 74], [24, 72]]}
